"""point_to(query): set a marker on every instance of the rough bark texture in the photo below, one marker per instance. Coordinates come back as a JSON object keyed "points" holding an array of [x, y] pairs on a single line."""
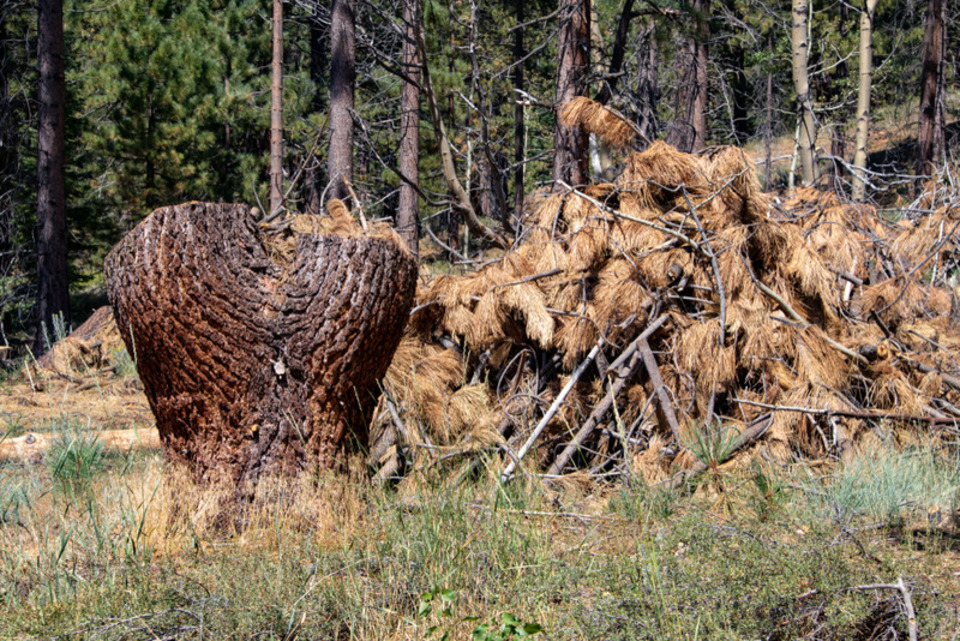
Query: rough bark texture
{"points": [[930, 131], [519, 122], [648, 84], [276, 112], [52, 293], [314, 174], [408, 209], [570, 144], [251, 366], [807, 138], [342, 79]]}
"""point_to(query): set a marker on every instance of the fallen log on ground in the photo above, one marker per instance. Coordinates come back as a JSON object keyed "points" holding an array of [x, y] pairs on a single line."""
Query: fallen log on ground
{"points": [[34, 445]]}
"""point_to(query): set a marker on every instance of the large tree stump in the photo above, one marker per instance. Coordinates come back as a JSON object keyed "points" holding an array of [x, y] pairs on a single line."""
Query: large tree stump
{"points": [[254, 364]]}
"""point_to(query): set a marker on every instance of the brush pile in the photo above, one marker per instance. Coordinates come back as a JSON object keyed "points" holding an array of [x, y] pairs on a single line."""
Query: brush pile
{"points": [[678, 315]]}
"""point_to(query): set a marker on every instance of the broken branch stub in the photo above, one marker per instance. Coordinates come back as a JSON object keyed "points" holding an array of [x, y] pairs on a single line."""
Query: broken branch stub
{"points": [[254, 364]]}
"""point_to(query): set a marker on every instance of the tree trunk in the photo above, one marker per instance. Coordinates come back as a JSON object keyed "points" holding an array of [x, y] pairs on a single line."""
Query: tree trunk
{"points": [[688, 133], [276, 112], [408, 209], [609, 85], [768, 123], [648, 83], [342, 80], [252, 366], [807, 138], [313, 176], [570, 144], [742, 97], [461, 197], [52, 293], [519, 120], [8, 147], [863, 99], [930, 132]]}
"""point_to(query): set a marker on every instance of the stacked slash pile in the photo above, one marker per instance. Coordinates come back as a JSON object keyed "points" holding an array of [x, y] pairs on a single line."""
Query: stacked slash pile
{"points": [[676, 316]]}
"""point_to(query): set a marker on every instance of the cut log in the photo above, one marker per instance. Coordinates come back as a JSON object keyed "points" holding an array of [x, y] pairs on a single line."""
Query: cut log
{"points": [[34, 446], [87, 348], [254, 364]]}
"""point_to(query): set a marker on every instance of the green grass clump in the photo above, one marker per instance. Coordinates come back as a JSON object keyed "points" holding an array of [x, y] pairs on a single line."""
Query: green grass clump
{"points": [[889, 485], [76, 455], [759, 555]]}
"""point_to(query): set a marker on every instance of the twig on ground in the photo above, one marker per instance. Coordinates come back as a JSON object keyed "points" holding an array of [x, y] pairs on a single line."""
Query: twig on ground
{"points": [[905, 595], [934, 420]]}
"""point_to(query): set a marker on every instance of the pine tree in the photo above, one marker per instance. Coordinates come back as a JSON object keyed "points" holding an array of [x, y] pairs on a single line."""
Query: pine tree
{"points": [[53, 298]]}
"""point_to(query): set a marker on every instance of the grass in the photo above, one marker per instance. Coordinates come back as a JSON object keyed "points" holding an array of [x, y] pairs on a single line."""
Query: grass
{"points": [[130, 552], [100, 544]]}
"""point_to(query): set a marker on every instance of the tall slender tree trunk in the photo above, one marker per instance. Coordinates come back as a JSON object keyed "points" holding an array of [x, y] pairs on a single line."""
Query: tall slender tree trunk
{"points": [[570, 144], [807, 138], [408, 210], [53, 293], [8, 150], [519, 119], [313, 176], [276, 112], [698, 108], [648, 83], [863, 99], [930, 132], [741, 96], [689, 131], [342, 81], [768, 129], [609, 85]]}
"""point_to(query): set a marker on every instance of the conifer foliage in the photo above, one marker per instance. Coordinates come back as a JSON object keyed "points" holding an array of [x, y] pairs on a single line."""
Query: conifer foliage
{"points": [[167, 101]]}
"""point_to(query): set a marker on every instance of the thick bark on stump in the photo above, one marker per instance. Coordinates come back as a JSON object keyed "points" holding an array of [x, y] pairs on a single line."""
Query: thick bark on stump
{"points": [[253, 366]]}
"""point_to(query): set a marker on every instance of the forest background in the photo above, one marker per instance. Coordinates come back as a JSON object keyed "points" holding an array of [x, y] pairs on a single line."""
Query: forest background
{"points": [[169, 101]]}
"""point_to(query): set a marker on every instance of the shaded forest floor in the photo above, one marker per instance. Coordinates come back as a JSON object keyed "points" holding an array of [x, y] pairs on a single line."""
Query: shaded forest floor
{"points": [[97, 543]]}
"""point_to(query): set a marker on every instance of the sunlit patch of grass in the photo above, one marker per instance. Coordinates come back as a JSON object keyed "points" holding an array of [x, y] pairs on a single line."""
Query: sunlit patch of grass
{"points": [[76, 455], [889, 485], [141, 552]]}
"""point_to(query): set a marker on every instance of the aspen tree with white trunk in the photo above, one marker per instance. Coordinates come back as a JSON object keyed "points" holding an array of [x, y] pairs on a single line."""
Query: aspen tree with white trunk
{"points": [[807, 128], [863, 99]]}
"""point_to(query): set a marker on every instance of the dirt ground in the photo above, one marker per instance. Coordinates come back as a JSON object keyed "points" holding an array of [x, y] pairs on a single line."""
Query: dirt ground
{"points": [[35, 404]]}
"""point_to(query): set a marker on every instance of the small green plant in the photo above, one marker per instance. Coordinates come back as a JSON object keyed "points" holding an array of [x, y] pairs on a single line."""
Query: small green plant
{"points": [[442, 602], [713, 444], [60, 331], [770, 491], [510, 628], [76, 456], [123, 363], [638, 502], [887, 485]]}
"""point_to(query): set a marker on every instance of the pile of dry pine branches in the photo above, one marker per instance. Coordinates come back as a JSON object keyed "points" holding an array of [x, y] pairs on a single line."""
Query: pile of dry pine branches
{"points": [[636, 325]]}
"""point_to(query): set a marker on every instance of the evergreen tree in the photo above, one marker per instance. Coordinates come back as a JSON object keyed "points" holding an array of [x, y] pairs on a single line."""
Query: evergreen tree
{"points": [[53, 298]]}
